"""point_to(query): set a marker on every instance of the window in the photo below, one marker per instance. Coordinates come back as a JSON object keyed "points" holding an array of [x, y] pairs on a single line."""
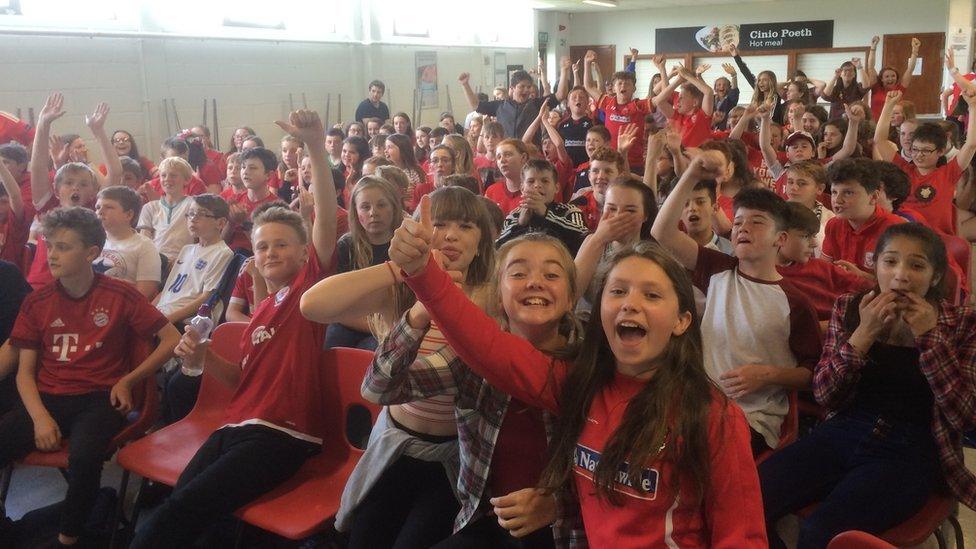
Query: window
{"points": [[70, 14]]}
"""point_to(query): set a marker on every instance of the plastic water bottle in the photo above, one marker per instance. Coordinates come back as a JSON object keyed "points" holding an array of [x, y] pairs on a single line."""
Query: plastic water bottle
{"points": [[202, 325]]}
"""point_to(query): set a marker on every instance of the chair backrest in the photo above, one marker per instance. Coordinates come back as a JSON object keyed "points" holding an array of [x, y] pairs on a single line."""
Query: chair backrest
{"points": [[960, 250], [225, 343], [855, 539], [345, 404], [226, 287], [791, 423]]}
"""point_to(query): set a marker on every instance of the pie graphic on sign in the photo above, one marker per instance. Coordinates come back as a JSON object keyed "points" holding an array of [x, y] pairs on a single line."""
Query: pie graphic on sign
{"points": [[925, 193]]}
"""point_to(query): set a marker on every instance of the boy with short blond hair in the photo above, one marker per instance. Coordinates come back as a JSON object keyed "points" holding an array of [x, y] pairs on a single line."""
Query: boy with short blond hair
{"points": [[164, 220]]}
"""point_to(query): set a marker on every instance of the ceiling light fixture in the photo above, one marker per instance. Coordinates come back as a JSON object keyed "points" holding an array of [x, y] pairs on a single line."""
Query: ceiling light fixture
{"points": [[602, 3]]}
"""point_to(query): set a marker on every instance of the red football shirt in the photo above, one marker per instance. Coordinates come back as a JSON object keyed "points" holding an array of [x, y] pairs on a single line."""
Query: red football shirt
{"points": [[616, 116], [39, 274], [822, 282], [695, 128], [878, 94], [13, 129], [282, 380], [241, 237], [931, 193], [82, 342], [843, 242], [506, 200], [592, 211], [14, 234]]}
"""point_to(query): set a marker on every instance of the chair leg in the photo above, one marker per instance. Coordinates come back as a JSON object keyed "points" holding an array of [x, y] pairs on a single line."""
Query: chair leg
{"points": [[957, 530], [119, 509], [5, 476], [130, 529], [940, 538]]}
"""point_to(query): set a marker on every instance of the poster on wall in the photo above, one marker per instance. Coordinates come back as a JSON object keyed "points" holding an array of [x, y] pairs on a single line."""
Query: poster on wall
{"points": [[758, 36], [426, 68]]}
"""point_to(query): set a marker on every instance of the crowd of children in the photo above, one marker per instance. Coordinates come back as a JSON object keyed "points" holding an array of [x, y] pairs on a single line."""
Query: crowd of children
{"points": [[592, 313]]}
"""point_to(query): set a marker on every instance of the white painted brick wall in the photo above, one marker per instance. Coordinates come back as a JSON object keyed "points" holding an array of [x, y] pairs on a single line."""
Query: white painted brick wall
{"points": [[251, 80]]}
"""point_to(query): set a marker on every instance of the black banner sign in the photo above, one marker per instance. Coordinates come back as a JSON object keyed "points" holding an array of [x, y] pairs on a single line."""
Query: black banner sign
{"points": [[758, 36]]}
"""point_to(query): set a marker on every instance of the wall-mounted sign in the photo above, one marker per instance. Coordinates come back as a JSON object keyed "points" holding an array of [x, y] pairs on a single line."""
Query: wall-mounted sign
{"points": [[760, 36]]}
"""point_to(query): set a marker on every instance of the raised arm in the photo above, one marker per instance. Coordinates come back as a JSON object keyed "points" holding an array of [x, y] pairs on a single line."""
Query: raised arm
{"points": [[909, 73], [695, 79], [41, 188], [553, 133], [869, 72], [743, 68], [659, 62], [543, 79], [306, 126], [655, 148], [706, 165], [464, 79], [766, 142], [348, 297], [828, 91], [96, 123], [950, 64], [577, 79], [855, 115], [678, 159], [965, 154], [13, 195], [662, 100], [562, 90], [883, 148], [508, 362], [529, 136], [743, 123], [588, 67]]}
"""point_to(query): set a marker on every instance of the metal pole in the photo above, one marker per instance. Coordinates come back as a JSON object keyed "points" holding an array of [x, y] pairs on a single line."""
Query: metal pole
{"points": [[291, 103], [304, 101], [30, 115], [450, 106], [169, 131], [204, 111], [176, 115], [328, 107], [216, 126], [339, 117]]}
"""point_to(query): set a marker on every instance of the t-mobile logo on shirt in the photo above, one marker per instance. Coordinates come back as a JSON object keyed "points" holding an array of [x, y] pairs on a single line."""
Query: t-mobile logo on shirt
{"points": [[64, 344], [645, 487]]}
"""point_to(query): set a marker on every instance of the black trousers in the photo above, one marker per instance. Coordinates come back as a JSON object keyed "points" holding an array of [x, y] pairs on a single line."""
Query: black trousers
{"points": [[233, 467], [411, 506], [89, 422]]}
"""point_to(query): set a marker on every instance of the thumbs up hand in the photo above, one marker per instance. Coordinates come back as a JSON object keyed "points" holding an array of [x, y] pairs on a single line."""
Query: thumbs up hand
{"points": [[410, 247]]}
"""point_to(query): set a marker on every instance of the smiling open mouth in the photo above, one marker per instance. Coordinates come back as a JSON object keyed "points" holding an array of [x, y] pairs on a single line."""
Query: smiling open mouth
{"points": [[535, 302], [630, 332]]}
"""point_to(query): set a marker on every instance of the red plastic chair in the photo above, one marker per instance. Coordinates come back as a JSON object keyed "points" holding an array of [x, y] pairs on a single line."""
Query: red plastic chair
{"points": [[145, 402], [927, 522], [960, 250], [308, 502], [788, 431], [855, 539], [163, 455]]}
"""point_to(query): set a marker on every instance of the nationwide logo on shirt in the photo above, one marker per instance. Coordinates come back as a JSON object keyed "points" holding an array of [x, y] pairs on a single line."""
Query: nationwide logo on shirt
{"points": [[623, 118], [643, 488]]}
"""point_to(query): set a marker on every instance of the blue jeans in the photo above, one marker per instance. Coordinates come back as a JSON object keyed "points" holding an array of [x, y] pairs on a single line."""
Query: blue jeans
{"points": [[867, 474], [337, 335]]}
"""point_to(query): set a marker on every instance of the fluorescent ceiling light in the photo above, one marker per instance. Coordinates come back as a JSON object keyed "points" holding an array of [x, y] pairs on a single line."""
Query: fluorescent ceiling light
{"points": [[603, 3], [535, 5]]}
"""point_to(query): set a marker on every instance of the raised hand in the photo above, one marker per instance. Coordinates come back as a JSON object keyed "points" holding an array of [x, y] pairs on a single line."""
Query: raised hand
{"points": [[306, 201], [52, 110], [855, 112], [702, 69], [616, 227], [857, 62], [565, 63], [576, 65], [950, 60], [59, 153], [916, 44], [590, 56], [410, 247], [706, 165], [96, 120], [874, 41], [304, 125], [627, 137], [733, 50], [729, 69], [659, 59], [463, 78], [893, 96], [633, 54]]}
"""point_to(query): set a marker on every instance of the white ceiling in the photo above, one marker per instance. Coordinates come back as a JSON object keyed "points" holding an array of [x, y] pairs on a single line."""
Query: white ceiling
{"points": [[579, 6]]}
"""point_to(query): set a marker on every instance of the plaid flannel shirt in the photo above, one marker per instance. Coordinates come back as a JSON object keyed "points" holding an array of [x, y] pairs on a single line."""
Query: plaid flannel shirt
{"points": [[947, 359], [397, 375]]}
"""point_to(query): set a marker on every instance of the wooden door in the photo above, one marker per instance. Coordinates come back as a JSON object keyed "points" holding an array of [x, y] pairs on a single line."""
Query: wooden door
{"points": [[606, 58], [925, 87]]}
